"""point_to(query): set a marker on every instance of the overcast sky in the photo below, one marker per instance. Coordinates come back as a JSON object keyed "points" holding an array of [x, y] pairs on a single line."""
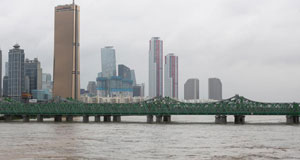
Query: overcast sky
{"points": [[252, 46]]}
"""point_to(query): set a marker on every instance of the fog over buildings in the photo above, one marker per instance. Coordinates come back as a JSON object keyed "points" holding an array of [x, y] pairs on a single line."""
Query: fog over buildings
{"points": [[252, 46]]}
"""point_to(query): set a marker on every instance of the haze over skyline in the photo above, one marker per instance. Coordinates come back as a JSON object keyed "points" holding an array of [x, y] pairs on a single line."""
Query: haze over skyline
{"points": [[252, 46]]}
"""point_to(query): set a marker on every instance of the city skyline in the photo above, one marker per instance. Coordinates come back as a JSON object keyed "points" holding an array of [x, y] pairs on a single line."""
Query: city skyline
{"points": [[248, 62]]}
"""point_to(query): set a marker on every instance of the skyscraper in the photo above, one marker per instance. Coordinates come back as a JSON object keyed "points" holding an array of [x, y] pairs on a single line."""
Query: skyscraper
{"points": [[66, 72], [191, 89], [214, 89], [124, 72], [171, 76], [0, 73], [33, 71], [6, 68], [16, 74], [108, 61], [155, 67], [132, 74], [5, 86], [46, 82]]}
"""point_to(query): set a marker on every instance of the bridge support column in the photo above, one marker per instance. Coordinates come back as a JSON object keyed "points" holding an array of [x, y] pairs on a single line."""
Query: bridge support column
{"points": [[8, 118], [85, 118], [149, 118], [97, 118], [292, 119], [26, 118], [167, 119], [107, 119], [69, 118], [116, 118], [158, 118], [58, 118], [220, 119], [239, 119], [40, 118]]}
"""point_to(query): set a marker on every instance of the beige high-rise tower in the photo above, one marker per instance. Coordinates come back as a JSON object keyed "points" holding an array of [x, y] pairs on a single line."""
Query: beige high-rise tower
{"points": [[66, 68]]}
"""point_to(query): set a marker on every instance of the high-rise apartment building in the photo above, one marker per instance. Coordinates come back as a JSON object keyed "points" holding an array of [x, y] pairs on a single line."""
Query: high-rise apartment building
{"points": [[66, 72], [171, 76], [108, 61], [33, 71], [124, 72], [214, 89], [16, 74], [191, 89], [155, 67]]}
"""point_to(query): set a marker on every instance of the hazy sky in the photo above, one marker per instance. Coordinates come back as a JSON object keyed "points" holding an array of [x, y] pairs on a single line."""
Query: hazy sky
{"points": [[252, 46]]}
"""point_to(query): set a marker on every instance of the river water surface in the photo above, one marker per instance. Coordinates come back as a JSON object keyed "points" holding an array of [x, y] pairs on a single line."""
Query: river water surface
{"points": [[187, 137]]}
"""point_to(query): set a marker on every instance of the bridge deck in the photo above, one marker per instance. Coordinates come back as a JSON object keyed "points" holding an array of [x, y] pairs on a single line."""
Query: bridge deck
{"points": [[236, 105]]}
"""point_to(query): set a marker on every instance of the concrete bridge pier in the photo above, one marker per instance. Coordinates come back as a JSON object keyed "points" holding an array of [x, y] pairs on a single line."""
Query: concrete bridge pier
{"points": [[149, 118], [239, 119], [292, 119], [158, 118], [220, 119], [116, 118], [26, 118], [40, 118], [69, 118], [167, 119], [8, 118], [85, 118], [107, 119], [97, 118], [58, 118]]}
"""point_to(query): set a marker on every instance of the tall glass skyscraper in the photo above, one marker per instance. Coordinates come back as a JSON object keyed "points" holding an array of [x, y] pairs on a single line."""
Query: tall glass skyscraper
{"points": [[124, 72], [108, 61], [214, 89], [16, 74], [155, 67], [191, 89], [66, 74], [171, 76], [33, 71]]}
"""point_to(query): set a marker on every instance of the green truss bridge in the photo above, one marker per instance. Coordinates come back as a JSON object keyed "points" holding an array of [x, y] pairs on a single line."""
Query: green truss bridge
{"points": [[161, 108]]}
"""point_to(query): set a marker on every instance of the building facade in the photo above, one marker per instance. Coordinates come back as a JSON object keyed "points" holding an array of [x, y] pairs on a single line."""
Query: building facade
{"points": [[155, 67], [214, 89], [114, 86], [171, 76], [92, 88], [16, 74], [33, 71], [108, 61], [191, 89], [139, 90], [5, 86], [124, 72], [66, 72], [47, 82], [132, 74]]}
